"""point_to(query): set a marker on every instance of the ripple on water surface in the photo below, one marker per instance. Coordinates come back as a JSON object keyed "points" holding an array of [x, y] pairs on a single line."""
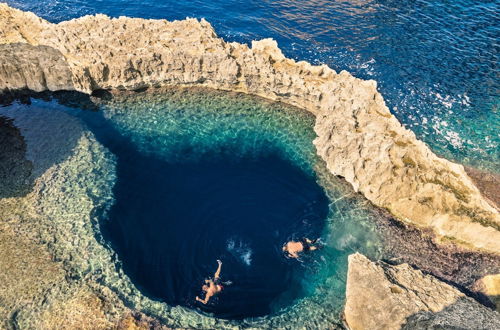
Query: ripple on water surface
{"points": [[202, 175]]}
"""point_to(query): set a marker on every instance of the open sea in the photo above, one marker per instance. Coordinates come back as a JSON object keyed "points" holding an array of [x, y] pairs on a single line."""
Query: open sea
{"points": [[436, 62]]}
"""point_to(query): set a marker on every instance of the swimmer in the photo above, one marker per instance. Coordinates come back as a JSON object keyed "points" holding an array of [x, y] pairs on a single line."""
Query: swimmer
{"points": [[293, 248], [212, 287]]}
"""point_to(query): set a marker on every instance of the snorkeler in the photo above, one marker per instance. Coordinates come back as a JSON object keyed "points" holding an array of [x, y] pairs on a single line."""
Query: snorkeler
{"points": [[212, 286], [293, 248]]}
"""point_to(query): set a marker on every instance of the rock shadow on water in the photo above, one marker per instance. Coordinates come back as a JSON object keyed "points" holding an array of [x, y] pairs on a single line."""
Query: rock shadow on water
{"points": [[34, 137], [15, 169], [71, 99]]}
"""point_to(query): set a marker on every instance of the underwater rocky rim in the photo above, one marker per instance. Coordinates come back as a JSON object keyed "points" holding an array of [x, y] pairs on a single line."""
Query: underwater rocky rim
{"points": [[75, 158]]}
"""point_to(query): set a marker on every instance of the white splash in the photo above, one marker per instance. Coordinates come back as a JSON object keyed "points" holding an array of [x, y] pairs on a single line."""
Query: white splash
{"points": [[240, 251]]}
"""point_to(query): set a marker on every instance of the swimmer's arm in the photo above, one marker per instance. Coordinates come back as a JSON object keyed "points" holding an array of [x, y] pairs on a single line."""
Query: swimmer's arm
{"points": [[203, 301], [217, 273], [293, 254]]}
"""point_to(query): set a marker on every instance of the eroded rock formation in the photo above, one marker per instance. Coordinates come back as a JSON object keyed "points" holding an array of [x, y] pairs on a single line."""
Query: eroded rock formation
{"points": [[37, 68], [381, 296], [358, 137]]}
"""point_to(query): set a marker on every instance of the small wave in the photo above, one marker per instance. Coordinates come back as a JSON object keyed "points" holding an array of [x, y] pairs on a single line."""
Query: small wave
{"points": [[240, 251]]}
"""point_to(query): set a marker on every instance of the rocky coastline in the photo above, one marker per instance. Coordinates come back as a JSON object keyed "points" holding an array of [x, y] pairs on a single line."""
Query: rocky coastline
{"points": [[408, 299], [357, 137]]}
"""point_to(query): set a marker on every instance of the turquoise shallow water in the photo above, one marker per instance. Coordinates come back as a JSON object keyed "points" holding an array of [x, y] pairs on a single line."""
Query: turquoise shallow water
{"points": [[204, 157], [436, 62]]}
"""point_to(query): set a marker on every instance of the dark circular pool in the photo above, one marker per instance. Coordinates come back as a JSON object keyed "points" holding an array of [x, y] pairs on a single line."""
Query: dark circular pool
{"points": [[199, 180], [172, 221]]}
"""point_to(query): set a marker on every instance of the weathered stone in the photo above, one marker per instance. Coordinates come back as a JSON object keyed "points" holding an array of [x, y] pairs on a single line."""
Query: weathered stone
{"points": [[488, 183], [27, 270], [358, 137], [139, 321], [381, 296], [37, 68], [459, 315], [82, 310]]}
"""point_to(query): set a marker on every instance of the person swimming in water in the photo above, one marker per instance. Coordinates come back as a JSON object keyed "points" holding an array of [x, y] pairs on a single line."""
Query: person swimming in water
{"points": [[293, 248], [212, 286]]}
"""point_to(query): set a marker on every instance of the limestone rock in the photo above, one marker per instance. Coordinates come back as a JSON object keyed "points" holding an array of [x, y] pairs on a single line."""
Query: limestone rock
{"points": [[381, 296], [27, 271], [358, 137], [37, 68], [488, 183], [82, 310]]}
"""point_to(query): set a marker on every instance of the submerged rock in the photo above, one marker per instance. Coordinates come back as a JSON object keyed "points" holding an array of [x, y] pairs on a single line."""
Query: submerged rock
{"points": [[381, 296], [358, 137]]}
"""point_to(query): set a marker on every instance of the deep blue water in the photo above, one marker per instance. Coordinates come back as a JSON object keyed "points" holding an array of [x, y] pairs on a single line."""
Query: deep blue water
{"points": [[184, 201], [436, 62], [171, 222]]}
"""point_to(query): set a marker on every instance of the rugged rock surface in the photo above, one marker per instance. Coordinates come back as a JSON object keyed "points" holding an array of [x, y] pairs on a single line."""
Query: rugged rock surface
{"points": [[381, 296], [37, 68], [358, 137], [488, 184]]}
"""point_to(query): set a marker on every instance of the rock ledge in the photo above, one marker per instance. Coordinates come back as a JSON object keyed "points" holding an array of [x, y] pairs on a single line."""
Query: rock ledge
{"points": [[381, 296]]}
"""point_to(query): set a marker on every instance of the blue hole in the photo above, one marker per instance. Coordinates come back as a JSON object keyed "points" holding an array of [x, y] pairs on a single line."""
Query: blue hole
{"points": [[171, 222]]}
